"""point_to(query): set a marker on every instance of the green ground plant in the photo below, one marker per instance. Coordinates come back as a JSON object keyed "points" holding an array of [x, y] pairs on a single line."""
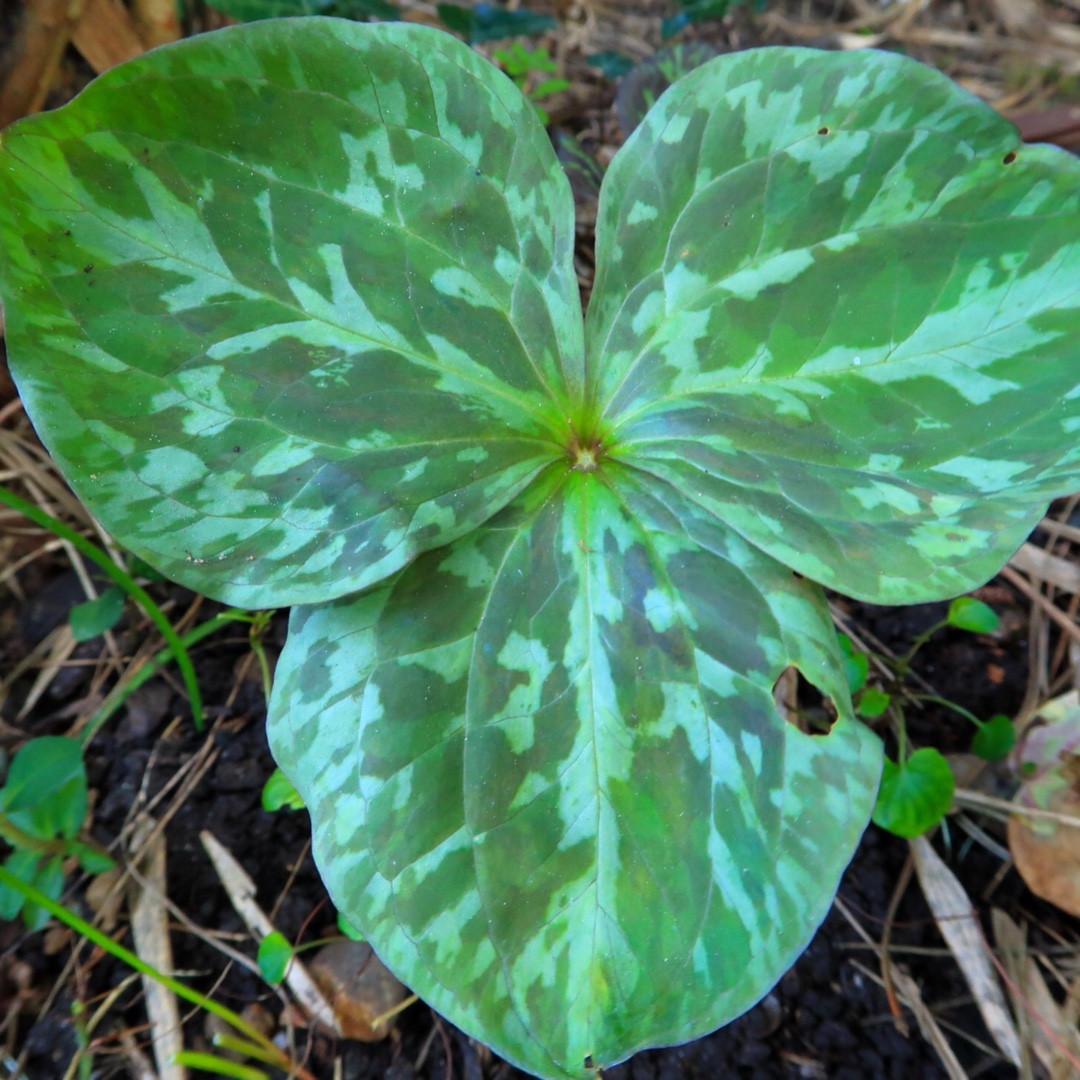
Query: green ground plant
{"points": [[531, 71], [247, 1039], [294, 307], [42, 809], [917, 786]]}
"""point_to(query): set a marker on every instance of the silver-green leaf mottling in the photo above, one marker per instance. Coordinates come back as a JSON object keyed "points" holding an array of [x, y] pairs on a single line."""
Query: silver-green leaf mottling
{"points": [[300, 299], [294, 306], [549, 779], [840, 311]]}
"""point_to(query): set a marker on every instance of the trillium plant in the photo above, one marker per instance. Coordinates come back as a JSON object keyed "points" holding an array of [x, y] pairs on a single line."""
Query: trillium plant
{"points": [[294, 307]]}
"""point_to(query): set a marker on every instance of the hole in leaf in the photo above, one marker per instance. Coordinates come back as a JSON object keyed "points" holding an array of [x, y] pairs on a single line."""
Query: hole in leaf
{"points": [[823, 131], [588, 1061], [1009, 158], [802, 704]]}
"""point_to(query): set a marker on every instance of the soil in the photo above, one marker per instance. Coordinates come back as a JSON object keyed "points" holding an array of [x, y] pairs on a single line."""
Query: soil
{"points": [[827, 1019]]}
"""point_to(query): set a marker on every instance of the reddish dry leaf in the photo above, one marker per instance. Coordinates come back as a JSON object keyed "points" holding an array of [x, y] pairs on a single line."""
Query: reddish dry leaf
{"points": [[359, 987], [1047, 853]]}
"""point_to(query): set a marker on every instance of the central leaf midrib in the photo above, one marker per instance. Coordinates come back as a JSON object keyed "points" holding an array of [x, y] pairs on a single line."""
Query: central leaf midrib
{"points": [[471, 681]]}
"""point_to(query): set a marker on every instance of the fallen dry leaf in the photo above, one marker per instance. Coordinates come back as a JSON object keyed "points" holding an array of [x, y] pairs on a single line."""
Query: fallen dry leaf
{"points": [[1047, 853], [959, 926], [359, 987]]}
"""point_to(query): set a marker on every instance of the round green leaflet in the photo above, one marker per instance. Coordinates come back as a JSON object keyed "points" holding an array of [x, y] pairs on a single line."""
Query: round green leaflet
{"points": [[549, 781], [837, 303], [292, 302], [294, 307]]}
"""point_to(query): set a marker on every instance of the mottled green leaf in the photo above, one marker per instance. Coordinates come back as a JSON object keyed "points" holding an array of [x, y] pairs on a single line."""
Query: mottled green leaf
{"points": [[915, 794], [294, 306], [292, 302], [549, 782], [836, 304], [967, 613]]}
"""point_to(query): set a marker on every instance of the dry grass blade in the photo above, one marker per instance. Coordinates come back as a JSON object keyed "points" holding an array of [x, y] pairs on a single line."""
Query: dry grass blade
{"points": [[1039, 563], [241, 890], [1011, 941], [1060, 529], [1050, 1033], [35, 56], [1029, 590], [150, 931], [956, 919], [57, 647], [1022, 17], [1062, 56], [1005, 809], [137, 1062], [157, 21]]}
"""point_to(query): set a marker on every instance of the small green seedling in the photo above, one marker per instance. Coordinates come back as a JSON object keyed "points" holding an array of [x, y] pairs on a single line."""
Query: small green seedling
{"points": [[294, 307], [275, 951], [967, 613], [994, 738], [42, 808], [92, 618], [916, 790], [527, 67], [274, 956], [279, 792]]}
